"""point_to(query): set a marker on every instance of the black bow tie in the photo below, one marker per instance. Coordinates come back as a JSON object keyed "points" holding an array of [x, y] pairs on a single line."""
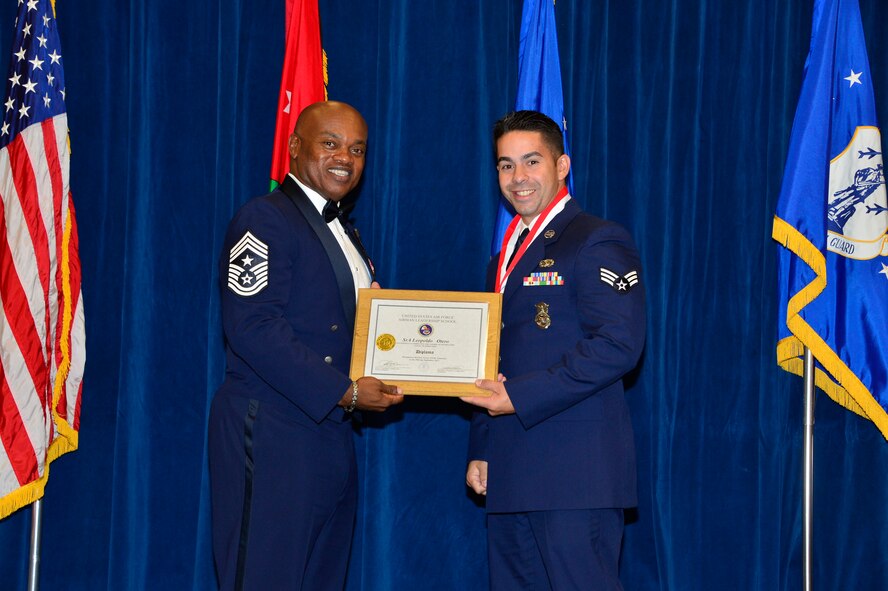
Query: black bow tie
{"points": [[332, 211]]}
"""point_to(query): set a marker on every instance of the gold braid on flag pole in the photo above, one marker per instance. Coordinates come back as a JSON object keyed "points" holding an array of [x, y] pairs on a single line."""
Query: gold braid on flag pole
{"points": [[25, 495], [68, 436], [849, 391], [68, 439], [326, 75]]}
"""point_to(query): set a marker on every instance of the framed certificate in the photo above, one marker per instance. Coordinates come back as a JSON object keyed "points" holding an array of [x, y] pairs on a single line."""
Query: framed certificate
{"points": [[433, 343]]}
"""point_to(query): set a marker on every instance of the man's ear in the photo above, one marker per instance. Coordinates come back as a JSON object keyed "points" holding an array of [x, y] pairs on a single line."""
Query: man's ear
{"points": [[562, 165], [293, 145]]}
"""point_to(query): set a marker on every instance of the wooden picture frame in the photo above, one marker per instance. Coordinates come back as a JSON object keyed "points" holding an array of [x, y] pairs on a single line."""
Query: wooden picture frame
{"points": [[432, 343]]}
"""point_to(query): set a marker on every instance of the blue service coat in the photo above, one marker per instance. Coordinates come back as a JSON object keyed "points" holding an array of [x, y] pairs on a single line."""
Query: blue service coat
{"points": [[569, 444], [291, 341], [281, 455]]}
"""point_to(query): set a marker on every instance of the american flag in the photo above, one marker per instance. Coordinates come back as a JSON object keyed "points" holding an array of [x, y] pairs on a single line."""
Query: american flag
{"points": [[42, 337]]}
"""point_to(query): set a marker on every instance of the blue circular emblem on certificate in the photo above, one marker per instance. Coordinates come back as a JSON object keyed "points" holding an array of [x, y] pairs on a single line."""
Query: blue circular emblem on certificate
{"points": [[425, 329]]}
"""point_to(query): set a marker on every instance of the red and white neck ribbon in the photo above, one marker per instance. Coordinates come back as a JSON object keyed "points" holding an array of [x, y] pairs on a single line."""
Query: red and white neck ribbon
{"points": [[553, 209]]}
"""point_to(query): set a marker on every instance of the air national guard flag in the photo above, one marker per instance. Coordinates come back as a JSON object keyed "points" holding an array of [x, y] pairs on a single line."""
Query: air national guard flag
{"points": [[42, 342], [539, 85], [303, 80], [831, 221]]}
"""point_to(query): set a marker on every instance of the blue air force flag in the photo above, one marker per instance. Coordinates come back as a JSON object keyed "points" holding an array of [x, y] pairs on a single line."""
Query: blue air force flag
{"points": [[539, 86], [831, 222]]}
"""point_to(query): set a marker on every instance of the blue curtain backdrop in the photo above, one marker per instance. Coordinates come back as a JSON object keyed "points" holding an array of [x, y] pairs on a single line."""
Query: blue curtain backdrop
{"points": [[679, 114]]}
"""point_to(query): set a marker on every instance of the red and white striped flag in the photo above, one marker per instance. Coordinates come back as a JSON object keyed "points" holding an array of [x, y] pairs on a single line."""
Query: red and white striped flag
{"points": [[42, 337]]}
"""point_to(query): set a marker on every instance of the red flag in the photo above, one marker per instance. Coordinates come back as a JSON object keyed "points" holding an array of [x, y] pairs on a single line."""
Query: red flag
{"points": [[42, 338], [303, 80]]}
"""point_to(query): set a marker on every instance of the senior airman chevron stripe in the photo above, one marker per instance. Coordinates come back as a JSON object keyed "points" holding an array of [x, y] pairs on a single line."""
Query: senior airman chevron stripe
{"points": [[620, 283], [248, 266]]}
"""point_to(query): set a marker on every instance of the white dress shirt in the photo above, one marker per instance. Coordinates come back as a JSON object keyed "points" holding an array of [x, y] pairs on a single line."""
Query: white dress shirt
{"points": [[357, 266]]}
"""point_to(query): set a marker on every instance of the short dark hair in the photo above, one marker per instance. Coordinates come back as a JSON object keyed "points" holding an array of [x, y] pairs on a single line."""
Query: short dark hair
{"points": [[530, 121]]}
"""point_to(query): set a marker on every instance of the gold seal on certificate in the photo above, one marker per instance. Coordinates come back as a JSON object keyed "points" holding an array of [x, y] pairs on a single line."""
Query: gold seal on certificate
{"points": [[428, 342], [385, 342]]}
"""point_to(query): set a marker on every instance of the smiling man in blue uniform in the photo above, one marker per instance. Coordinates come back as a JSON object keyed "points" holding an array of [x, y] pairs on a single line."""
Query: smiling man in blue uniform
{"points": [[282, 459], [552, 447]]}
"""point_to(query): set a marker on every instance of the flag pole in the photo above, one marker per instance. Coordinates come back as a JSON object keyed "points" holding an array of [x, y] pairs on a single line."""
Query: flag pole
{"points": [[808, 472], [34, 555]]}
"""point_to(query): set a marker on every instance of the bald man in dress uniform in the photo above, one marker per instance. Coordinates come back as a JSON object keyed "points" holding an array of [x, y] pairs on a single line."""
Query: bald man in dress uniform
{"points": [[282, 459]]}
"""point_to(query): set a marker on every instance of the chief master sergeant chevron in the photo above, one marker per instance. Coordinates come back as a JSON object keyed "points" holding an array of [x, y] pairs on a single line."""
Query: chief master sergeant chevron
{"points": [[554, 451], [282, 459]]}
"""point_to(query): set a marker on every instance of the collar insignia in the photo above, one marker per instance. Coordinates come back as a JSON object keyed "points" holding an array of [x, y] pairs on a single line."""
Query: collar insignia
{"points": [[549, 234]]}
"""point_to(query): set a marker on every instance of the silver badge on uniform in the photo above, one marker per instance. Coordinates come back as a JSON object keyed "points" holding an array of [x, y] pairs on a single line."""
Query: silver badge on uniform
{"points": [[620, 283], [248, 266]]}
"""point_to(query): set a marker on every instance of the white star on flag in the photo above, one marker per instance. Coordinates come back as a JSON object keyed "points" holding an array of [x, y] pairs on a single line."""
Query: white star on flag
{"points": [[854, 78]]}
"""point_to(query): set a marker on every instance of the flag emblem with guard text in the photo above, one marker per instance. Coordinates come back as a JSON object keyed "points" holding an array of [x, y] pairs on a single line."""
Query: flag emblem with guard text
{"points": [[831, 223]]}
